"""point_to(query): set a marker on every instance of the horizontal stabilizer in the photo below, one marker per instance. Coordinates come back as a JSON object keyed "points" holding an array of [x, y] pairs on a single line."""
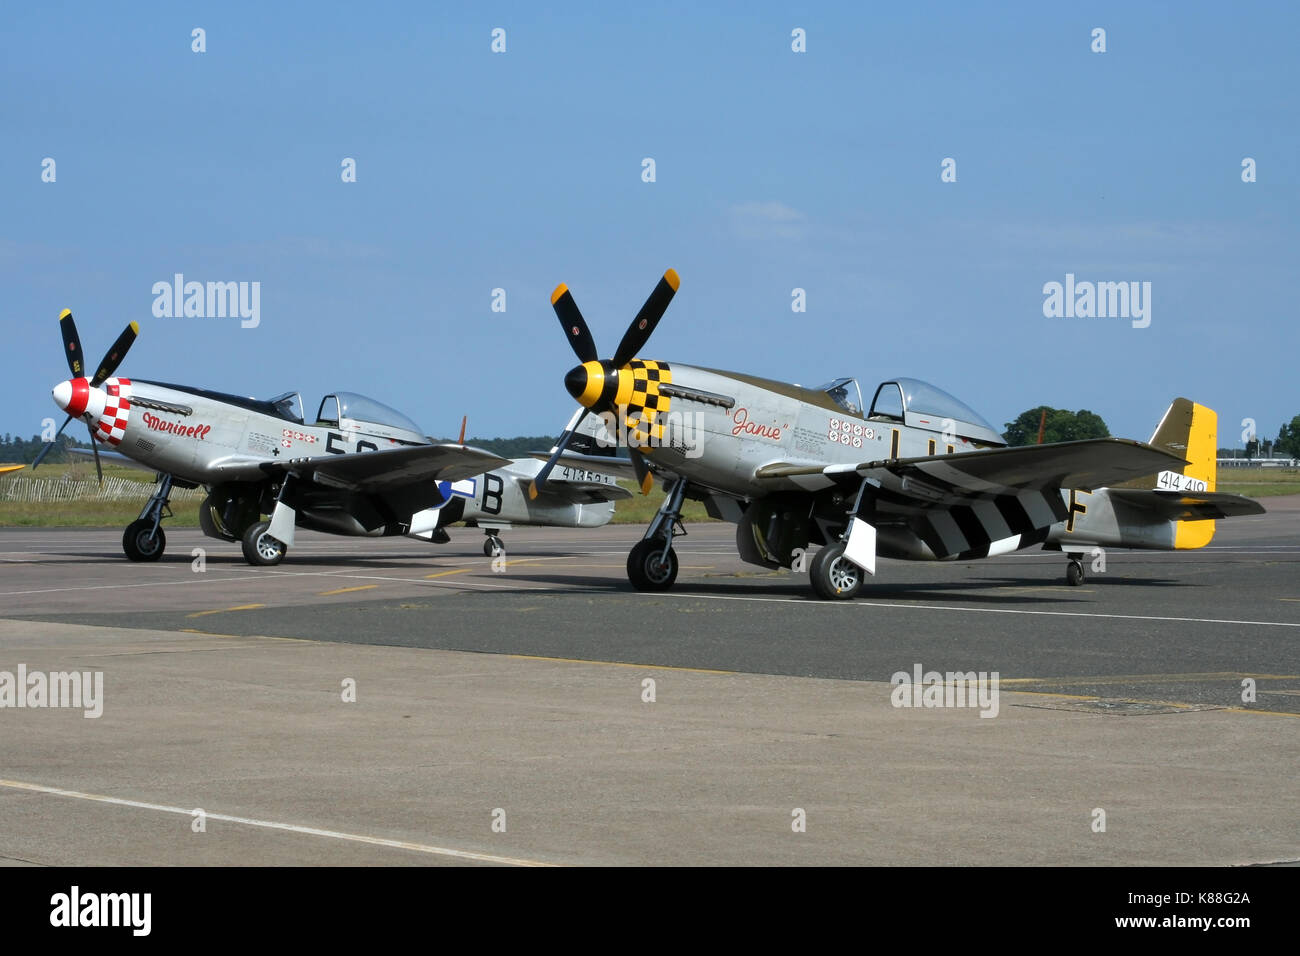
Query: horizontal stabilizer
{"points": [[1188, 506]]}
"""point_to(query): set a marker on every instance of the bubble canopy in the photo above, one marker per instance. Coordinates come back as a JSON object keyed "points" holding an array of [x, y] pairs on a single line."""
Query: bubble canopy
{"points": [[922, 405], [349, 406]]}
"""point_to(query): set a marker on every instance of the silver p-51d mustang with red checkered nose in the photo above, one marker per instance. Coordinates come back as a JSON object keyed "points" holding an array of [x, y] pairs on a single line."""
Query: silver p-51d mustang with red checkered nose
{"points": [[361, 468]]}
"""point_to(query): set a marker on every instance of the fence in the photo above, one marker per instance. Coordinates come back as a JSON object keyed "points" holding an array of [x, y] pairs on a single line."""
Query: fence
{"points": [[66, 489]]}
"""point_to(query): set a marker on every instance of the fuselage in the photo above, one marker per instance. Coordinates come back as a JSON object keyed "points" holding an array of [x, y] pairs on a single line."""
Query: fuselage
{"points": [[225, 442], [718, 429]]}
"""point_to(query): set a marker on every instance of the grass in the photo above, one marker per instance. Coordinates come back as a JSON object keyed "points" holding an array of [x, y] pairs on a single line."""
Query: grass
{"points": [[1252, 482], [1259, 482]]}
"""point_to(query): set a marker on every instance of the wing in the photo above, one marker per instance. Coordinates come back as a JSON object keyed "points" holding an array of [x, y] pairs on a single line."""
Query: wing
{"points": [[109, 457], [1189, 506], [391, 469], [579, 492], [961, 504], [1085, 465], [609, 464]]}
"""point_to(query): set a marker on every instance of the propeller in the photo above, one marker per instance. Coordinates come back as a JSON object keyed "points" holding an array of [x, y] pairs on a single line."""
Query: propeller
{"points": [[589, 382], [72, 352]]}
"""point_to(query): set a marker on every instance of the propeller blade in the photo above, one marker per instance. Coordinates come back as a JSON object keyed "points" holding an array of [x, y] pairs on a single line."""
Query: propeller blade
{"points": [[463, 422], [49, 446], [116, 352], [642, 471], [71, 343], [539, 482], [575, 326], [639, 331], [94, 445]]}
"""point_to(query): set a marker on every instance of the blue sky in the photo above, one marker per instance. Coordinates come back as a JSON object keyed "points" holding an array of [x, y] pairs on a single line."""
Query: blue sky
{"points": [[774, 170]]}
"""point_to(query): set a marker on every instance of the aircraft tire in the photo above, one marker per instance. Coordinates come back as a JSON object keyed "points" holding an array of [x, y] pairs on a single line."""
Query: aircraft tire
{"points": [[260, 549], [646, 571], [493, 548], [832, 576], [1074, 574], [140, 545]]}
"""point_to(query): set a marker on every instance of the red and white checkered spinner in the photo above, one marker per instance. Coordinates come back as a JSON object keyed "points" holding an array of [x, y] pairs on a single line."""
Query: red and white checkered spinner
{"points": [[109, 405]]}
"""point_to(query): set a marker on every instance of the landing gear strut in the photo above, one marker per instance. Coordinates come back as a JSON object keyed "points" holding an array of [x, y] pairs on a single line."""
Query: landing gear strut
{"points": [[652, 564], [1074, 575], [144, 539], [493, 547]]}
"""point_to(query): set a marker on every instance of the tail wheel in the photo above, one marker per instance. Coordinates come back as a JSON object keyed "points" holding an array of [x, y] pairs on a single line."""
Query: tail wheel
{"points": [[260, 548], [648, 570], [834, 576], [493, 547], [1074, 574], [142, 542]]}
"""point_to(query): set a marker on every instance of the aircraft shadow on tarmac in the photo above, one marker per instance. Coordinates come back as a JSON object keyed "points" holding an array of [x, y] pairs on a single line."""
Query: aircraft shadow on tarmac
{"points": [[975, 590]]}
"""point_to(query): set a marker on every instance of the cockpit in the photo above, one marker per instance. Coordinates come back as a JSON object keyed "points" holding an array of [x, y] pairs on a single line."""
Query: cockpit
{"points": [[353, 412], [845, 393], [288, 406], [922, 405]]}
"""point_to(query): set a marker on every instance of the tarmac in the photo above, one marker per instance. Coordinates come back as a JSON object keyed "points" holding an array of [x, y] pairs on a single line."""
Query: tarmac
{"points": [[391, 702]]}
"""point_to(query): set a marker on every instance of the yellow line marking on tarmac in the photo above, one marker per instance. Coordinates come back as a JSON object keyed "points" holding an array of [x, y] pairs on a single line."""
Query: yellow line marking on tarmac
{"points": [[249, 637], [272, 825], [223, 610], [1143, 678], [579, 660], [1254, 710], [443, 574], [359, 587]]}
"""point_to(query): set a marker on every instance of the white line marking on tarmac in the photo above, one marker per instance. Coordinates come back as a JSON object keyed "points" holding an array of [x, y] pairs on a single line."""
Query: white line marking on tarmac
{"points": [[272, 825], [976, 610]]}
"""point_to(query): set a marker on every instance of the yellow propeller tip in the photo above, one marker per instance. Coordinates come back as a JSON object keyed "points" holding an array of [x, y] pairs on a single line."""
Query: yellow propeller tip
{"points": [[66, 313], [672, 279], [135, 327], [559, 291], [647, 483], [532, 491]]}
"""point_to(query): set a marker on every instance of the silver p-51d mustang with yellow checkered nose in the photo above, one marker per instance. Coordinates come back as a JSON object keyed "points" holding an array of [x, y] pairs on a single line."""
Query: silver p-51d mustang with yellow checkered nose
{"points": [[360, 468], [915, 475]]}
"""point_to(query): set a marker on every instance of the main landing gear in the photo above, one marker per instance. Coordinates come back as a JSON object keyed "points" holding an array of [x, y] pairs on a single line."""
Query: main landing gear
{"points": [[834, 576], [652, 564], [1074, 575], [260, 549], [143, 539]]}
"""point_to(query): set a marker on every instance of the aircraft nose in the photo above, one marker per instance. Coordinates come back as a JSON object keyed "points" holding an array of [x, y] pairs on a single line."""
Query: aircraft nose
{"points": [[575, 382], [586, 382], [72, 396]]}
